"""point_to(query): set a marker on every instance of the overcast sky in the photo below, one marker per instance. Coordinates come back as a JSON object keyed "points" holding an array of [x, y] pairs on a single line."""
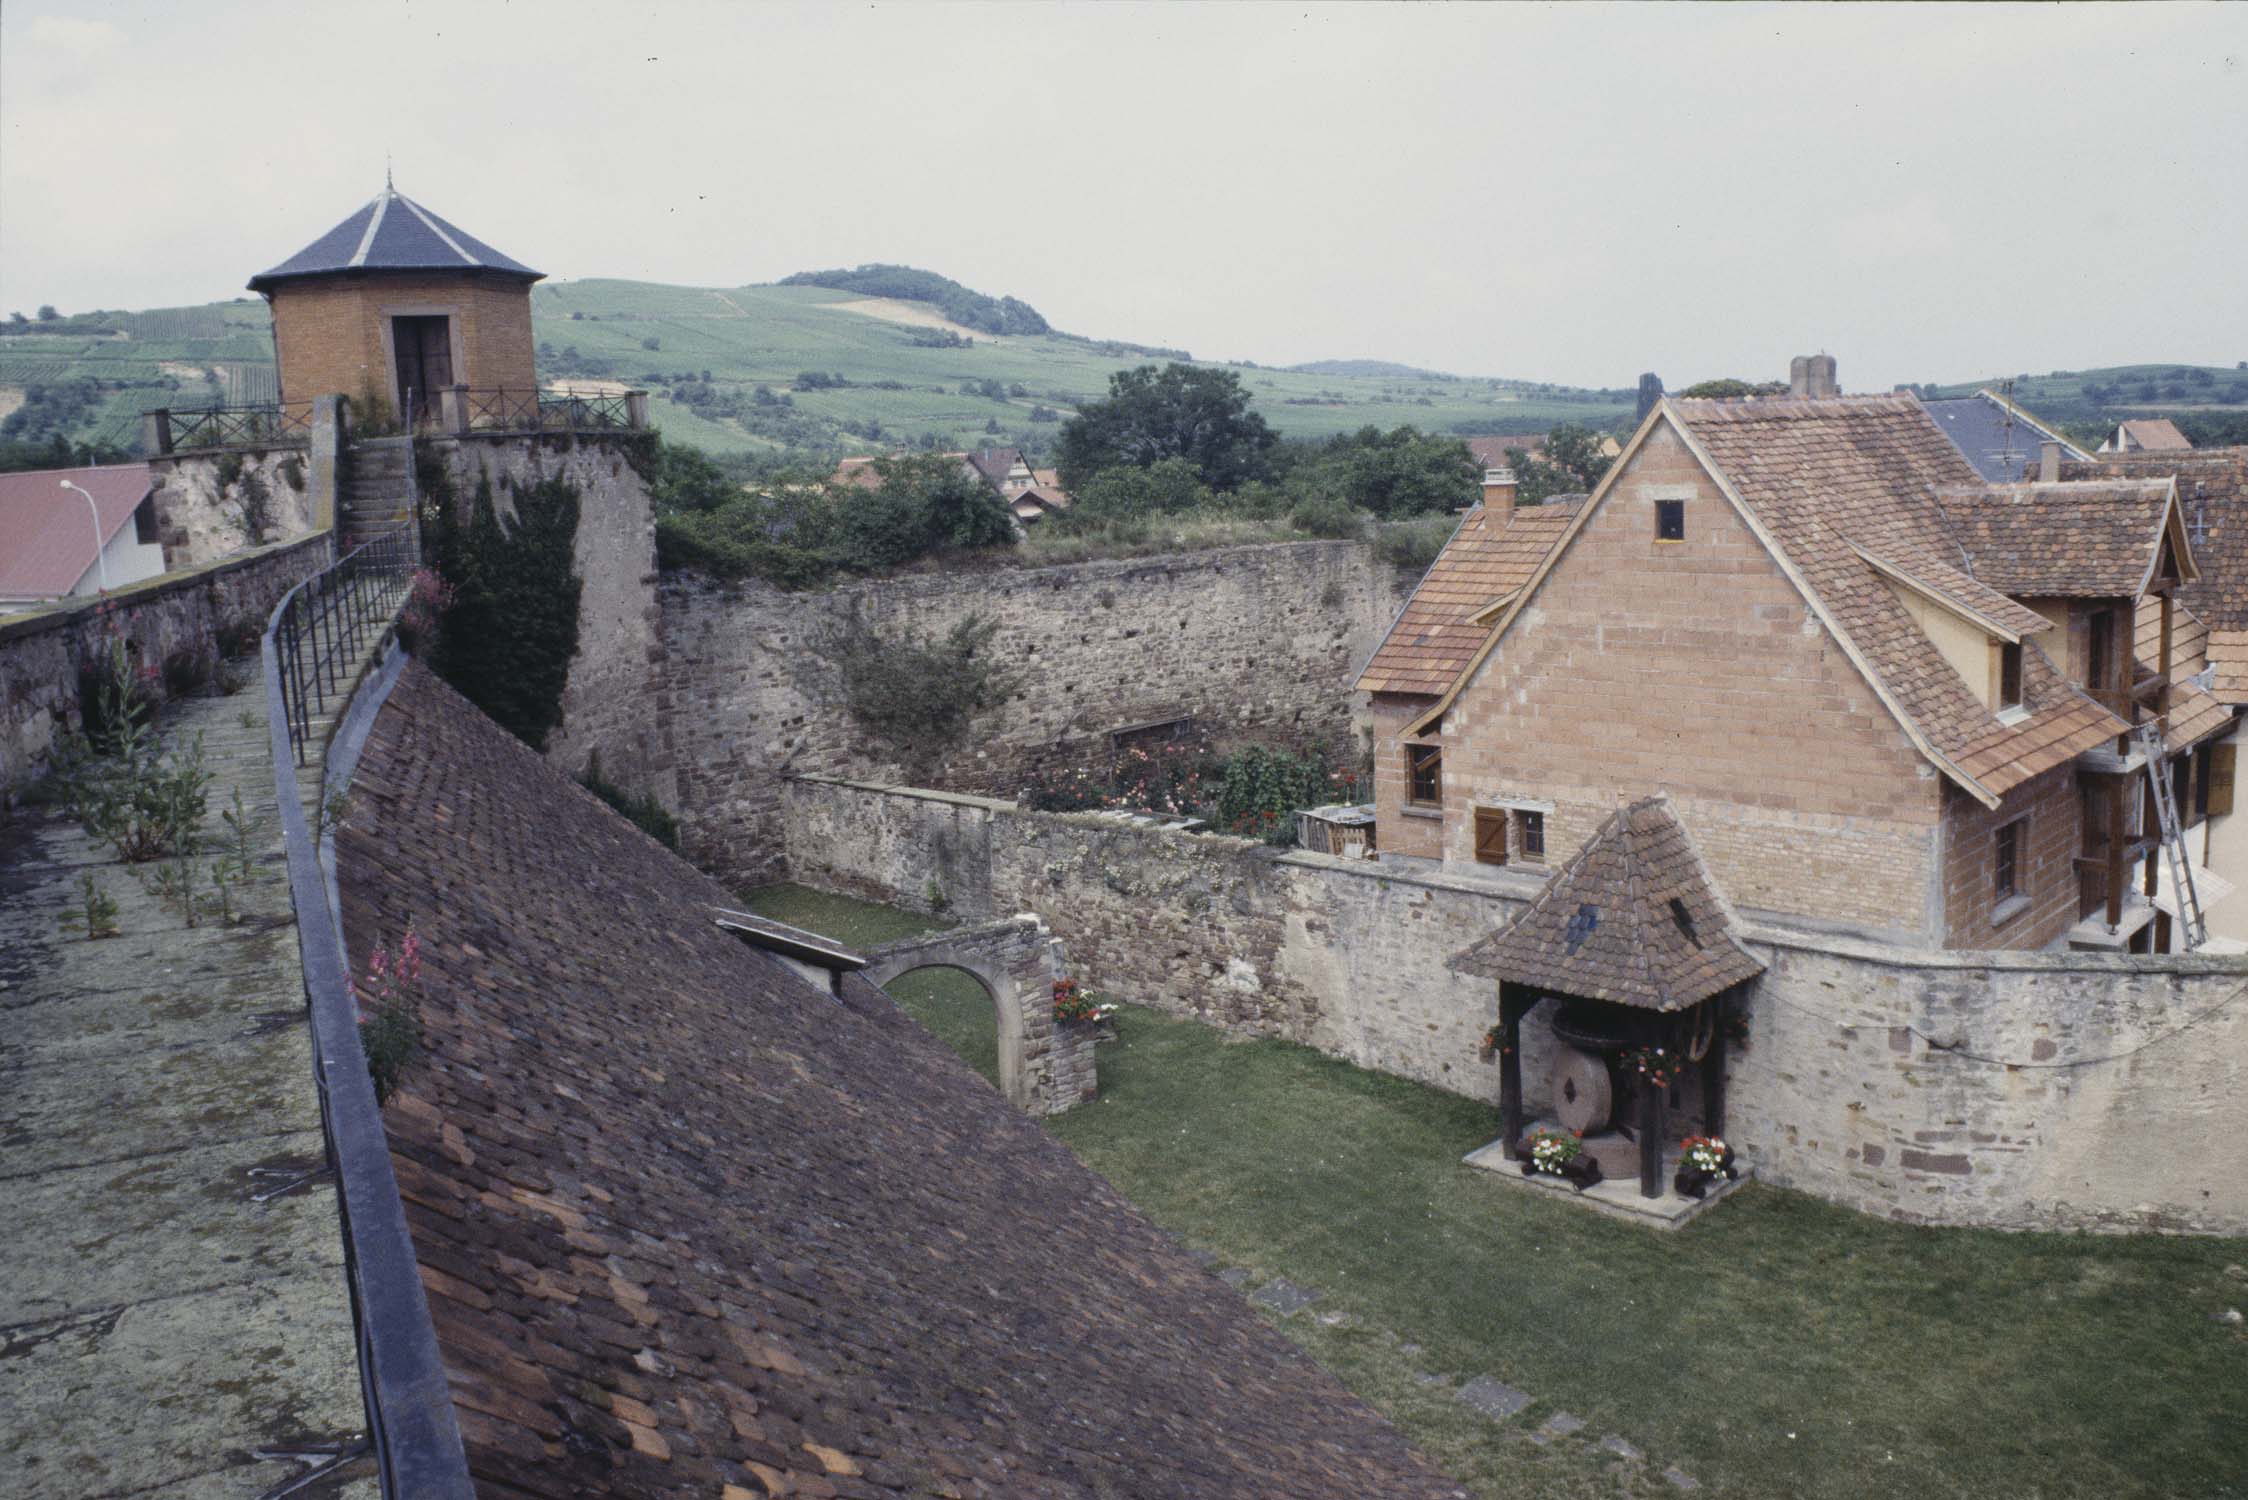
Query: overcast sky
{"points": [[1572, 193]]}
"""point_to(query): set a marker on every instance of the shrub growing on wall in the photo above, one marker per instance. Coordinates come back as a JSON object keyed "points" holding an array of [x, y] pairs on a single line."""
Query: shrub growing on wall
{"points": [[919, 693], [507, 636]]}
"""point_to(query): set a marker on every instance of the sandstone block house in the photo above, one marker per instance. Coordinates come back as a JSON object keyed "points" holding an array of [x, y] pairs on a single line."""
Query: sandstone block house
{"points": [[399, 305], [1885, 698]]}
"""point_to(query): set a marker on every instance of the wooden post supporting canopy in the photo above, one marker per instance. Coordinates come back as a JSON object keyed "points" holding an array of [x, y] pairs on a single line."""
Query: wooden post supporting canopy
{"points": [[1514, 1003], [1713, 1069]]}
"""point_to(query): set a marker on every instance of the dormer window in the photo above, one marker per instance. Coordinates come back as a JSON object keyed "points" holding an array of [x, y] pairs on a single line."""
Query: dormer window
{"points": [[2009, 675]]}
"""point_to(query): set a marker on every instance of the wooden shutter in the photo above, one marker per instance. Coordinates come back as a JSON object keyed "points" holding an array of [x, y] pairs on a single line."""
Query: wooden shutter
{"points": [[2220, 778], [1490, 835]]}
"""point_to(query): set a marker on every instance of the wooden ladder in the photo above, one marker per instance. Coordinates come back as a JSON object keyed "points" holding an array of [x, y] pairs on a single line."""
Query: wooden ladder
{"points": [[2194, 929]]}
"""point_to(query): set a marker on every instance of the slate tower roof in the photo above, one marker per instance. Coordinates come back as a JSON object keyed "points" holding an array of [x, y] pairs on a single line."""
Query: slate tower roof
{"points": [[392, 233]]}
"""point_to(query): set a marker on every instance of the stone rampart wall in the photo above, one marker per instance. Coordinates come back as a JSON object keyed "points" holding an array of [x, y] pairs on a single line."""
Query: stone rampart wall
{"points": [[1252, 643], [2020, 1090], [611, 701], [42, 651]]}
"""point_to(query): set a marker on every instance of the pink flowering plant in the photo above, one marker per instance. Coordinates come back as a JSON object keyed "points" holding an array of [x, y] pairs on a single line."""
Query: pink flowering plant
{"points": [[1552, 1150], [1073, 1002], [428, 597], [387, 1002]]}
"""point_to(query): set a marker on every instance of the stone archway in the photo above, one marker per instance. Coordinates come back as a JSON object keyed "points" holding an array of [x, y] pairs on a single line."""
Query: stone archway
{"points": [[1043, 1068]]}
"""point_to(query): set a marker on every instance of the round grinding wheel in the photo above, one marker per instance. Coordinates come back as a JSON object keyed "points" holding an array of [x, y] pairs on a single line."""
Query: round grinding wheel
{"points": [[1583, 1098]]}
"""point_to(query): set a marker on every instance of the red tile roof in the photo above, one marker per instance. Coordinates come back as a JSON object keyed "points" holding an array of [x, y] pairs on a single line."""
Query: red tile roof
{"points": [[47, 534], [2079, 539], [1633, 918], [687, 1222], [1491, 452], [1491, 554], [1834, 478], [2155, 434]]}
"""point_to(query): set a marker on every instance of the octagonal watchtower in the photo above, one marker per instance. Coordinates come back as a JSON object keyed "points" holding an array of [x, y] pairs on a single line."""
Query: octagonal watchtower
{"points": [[397, 304]]}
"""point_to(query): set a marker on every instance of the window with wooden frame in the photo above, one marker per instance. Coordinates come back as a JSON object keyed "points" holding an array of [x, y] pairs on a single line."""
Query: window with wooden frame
{"points": [[1490, 835], [1529, 826], [2099, 648], [2006, 862], [2181, 790], [2009, 675], [1424, 775], [1670, 520]]}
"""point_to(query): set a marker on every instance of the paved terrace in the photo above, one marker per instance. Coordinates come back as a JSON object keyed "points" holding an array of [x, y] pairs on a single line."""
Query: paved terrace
{"points": [[174, 1318]]}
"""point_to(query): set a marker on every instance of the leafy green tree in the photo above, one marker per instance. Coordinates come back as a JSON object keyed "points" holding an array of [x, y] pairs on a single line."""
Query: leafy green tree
{"points": [[1572, 463], [1724, 390], [1402, 472], [1179, 411], [687, 479], [47, 313], [1129, 494], [945, 506]]}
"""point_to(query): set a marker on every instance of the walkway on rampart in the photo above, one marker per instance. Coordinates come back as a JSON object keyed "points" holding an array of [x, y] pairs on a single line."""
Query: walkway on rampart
{"points": [[173, 1301]]}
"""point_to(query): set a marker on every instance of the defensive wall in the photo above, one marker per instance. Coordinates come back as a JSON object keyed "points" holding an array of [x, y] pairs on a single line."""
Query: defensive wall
{"points": [[1250, 644], [2014, 1090]]}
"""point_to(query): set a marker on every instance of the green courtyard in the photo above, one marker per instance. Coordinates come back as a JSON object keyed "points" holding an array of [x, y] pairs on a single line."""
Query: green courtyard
{"points": [[1777, 1347]]}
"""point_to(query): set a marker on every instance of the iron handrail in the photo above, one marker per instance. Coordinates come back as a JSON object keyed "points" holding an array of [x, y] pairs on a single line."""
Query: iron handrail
{"points": [[521, 409], [266, 425], [322, 629]]}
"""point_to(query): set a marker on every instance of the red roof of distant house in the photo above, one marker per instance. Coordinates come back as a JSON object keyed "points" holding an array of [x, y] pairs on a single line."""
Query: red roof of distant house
{"points": [[1491, 451], [46, 536], [2153, 434]]}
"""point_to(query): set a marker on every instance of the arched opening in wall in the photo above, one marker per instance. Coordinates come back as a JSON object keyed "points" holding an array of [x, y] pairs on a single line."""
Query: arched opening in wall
{"points": [[964, 1012]]}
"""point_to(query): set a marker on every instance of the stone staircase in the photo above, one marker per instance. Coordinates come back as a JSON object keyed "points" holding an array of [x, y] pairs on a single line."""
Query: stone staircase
{"points": [[379, 495]]}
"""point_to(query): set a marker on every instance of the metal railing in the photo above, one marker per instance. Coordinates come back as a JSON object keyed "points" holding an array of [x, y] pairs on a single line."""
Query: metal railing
{"points": [[280, 424], [464, 409], [323, 628]]}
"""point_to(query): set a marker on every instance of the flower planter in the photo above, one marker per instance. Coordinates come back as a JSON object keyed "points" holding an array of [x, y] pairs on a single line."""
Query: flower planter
{"points": [[1692, 1182], [1581, 1172]]}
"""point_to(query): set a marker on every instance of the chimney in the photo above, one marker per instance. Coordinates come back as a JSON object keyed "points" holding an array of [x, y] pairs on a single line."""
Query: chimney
{"points": [[1650, 392], [1811, 376], [1498, 491], [2048, 461]]}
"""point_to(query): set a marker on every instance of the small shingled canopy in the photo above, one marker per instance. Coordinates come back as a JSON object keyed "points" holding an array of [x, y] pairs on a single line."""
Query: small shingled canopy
{"points": [[1631, 918]]}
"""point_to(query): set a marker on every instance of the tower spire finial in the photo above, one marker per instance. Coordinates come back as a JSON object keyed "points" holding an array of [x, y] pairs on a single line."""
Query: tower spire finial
{"points": [[387, 185]]}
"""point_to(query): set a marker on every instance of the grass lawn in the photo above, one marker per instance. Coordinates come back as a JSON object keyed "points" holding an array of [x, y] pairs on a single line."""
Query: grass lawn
{"points": [[950, 1002], [1779, 1347]]}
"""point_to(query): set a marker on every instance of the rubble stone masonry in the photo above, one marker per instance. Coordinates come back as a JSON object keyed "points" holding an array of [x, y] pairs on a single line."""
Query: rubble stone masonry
{"points": [[2019, 1090], [1253, 644]]}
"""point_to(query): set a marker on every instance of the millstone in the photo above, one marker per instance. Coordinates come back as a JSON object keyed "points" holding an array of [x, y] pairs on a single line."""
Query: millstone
{"points": [[1583, 1098]]}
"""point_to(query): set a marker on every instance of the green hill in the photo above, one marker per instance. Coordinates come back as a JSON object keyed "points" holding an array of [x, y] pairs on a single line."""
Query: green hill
{"points": [[2087, 402], [818, 370]]}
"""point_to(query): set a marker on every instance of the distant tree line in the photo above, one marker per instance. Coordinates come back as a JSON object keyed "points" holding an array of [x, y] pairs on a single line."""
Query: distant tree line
{"points": [[971, 309]]}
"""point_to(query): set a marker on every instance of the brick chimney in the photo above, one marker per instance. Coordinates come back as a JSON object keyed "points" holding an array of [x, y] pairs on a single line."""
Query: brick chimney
{"points": [[1498, 491], [2048, 462], [1811, 375]]}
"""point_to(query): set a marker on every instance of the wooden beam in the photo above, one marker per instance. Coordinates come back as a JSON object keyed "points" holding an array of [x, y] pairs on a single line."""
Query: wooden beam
{"points": [[1515, 1002], [2115, 851], [1713, 1069], [1650, 1141]]}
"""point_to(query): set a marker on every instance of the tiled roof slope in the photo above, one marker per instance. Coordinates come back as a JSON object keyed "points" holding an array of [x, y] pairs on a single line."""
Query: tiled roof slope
{"points": [[2156, 434], [392, 232], [1834, 478], [2213, 496], [1604, 928], [687, 1223], [2078, 539], [1491, 452], [1491, 554], [47, 532]]}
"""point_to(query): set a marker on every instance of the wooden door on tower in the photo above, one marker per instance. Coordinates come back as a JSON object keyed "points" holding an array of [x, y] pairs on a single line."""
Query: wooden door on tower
{"points": [[424, 350]]}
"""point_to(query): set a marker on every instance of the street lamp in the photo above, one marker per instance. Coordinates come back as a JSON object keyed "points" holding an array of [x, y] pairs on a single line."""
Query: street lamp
{"points": [[101, 560]]}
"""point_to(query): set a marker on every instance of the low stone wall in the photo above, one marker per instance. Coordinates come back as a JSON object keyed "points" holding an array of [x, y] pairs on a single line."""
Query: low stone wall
{"points": [[2035, 1090], [1253, 643], [42, 651]]}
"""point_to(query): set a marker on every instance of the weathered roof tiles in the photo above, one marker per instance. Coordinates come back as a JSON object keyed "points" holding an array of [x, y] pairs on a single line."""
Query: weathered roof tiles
{"points": [[691, 1227]]}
